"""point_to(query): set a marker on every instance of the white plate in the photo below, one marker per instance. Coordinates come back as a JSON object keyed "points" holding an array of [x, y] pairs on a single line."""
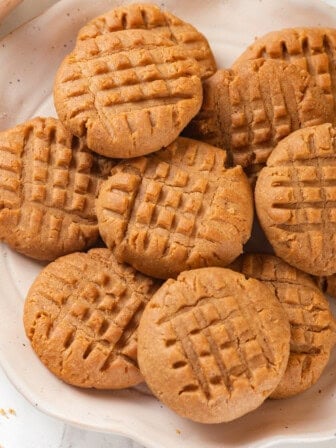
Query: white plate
{"points": [[28, 60]]}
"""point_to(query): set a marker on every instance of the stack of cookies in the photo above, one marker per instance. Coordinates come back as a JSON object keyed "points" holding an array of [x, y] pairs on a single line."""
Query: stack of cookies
{"points": [[171, 299]]}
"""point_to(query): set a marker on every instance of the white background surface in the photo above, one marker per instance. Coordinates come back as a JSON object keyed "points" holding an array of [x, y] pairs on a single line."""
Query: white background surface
{"points": [[21, 425]]}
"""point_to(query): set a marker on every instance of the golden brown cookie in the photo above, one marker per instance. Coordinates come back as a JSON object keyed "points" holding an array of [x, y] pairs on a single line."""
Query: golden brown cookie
{"points": [[132, 83], [48, 184], [312, 49], [313, 328], [81, 316], [213, 345], [176, 209], [247, 111], [295, 199]]}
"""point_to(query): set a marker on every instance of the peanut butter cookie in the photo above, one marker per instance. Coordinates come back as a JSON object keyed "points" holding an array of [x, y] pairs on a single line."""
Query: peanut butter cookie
{"points": [[176, 209], [132, 83], [313, 329], [312, 49], [81, 316], [48, 184], [295, 199], [213, 345], [247, 111]]}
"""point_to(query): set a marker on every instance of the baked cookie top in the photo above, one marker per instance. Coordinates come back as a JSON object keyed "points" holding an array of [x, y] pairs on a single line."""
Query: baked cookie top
{"points": [[132, 83], [248, 110], [213, 345], [150, 17], [309, 48], [176, 209], [295, 199], [81, 316], [313, 328], [48, 184]]}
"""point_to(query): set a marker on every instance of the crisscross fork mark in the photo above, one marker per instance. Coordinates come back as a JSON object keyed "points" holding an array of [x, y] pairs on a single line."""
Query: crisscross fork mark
{"points": [[93, 91], [231, 332], [326, 248], [305, 53], [298, 193], [256, 323], [164, 26], [330, 52], [187, 308], [324, 225], [183, 338], [215, 351], [9, 181], [158, 205], [281, 298]]}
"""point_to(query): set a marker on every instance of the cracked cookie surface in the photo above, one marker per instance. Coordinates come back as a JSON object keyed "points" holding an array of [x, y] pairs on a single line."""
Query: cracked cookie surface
{"points": [[81, 316], [49, 181], [313, 328], [132, 83], [213, 345], [176, 209]]}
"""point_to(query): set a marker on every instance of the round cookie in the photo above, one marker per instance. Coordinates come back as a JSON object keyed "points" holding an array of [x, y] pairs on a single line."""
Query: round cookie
{"points": [[213, 345], [313, 328], [295, 200], [176, 209], [247, 111], [132, 83], [81, 316], [309, 48], [48, 184]]}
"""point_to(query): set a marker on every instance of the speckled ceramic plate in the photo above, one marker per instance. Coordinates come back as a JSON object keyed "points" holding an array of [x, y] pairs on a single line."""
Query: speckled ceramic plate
{"points": [[28, 59]]}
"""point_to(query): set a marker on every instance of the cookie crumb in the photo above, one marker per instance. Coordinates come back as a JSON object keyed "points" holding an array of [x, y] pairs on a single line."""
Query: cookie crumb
{"points": [[6, 414]]}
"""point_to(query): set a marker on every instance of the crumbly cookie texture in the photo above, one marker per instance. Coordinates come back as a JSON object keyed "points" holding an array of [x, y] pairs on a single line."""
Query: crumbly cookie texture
{"points": [[81, 316], [295, 199], [248, 110], [176, 209], [48, 184], [213, 345], [132, 83], [313, 327], [309, 48]]}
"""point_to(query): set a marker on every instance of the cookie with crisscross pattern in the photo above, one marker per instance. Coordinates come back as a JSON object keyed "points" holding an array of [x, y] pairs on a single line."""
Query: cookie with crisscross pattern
{"points": [[313, 328], [213, 345], [313, 49], [81, 316], [179, 208], [248, 110], [296, 199], [48, 184], [132, 83]]}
